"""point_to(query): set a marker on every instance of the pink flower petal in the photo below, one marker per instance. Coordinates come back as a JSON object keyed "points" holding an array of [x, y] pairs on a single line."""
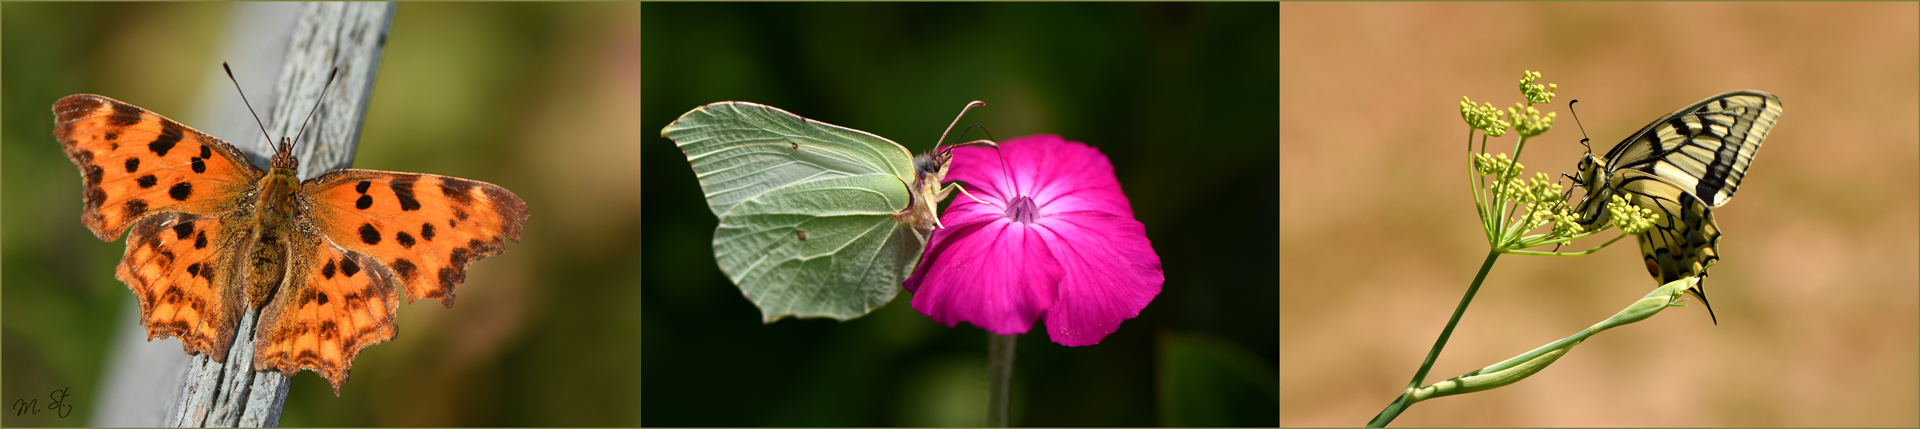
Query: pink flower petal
{"points": [[1111, 274], [995, 274], [1059, 175]]}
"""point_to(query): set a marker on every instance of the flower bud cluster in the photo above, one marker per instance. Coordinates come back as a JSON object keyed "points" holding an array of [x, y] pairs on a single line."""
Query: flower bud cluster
{"points": [[1535, 92], [1630, 218], [1528, 121], [1498, 166], [1485, 118]]}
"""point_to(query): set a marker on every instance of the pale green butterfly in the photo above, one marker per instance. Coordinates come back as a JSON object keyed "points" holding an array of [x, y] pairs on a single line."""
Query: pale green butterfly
{"points": [[816, 220]]}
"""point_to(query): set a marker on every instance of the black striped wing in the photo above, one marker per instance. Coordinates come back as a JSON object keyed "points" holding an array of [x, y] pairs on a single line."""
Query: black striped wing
{"points": [[1683, 241], [1704, 148]]}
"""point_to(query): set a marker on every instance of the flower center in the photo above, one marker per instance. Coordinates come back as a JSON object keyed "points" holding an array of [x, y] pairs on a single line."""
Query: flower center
{"points": [[1022, 210]]}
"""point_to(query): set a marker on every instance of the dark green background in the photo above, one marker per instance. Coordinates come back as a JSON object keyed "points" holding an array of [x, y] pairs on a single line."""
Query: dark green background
{"points": [[537, 98], [1182, 97]]}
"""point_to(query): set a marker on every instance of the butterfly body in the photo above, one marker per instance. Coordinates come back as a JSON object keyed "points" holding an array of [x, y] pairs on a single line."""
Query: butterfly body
{"points": [[1681, 166], [323, 260]]}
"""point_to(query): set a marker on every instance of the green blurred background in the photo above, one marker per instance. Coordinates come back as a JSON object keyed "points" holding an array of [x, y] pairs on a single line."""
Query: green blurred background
{"points": [[1815, 292], [537, 98], [1181, 97]]}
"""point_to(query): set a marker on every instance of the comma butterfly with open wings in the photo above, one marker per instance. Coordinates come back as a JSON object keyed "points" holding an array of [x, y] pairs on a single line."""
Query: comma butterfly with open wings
{"points": [[214, 235]]}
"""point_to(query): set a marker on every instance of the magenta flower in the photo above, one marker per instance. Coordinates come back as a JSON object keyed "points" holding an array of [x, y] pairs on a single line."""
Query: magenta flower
{"points": [[1056, 239]]}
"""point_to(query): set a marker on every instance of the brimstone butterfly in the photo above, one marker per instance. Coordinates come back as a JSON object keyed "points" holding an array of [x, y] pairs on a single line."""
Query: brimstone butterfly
{"points": [[816, 220]]}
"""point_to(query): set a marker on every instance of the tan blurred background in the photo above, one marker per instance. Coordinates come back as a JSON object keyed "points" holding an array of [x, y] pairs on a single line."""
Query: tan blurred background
{"points": [[1816, 289]]}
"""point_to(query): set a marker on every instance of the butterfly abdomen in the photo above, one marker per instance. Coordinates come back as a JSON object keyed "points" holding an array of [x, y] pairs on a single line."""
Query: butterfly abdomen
{"points": [[267, 251]]}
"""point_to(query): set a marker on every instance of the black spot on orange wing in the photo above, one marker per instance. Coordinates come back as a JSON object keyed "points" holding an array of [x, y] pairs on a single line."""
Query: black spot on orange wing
{"points": [[405, 269], [406, 240], [200, 240], [323, 298], [327, 271], [362, 187], [133, 165], [403, 191], [180, 191], [364, 202], [369, 234], [169, 136], [426, 231], [183, 230], [349, 267], [147, 181]]}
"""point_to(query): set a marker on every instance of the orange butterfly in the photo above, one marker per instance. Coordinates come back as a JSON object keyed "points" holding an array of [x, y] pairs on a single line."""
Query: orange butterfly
{"points": [[214, 236]]}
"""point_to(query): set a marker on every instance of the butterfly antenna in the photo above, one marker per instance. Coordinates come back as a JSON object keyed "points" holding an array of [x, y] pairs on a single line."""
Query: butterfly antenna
{"points": [[963, 136], [243, 100], [1583, 128], [316, 103], [956, 121]]}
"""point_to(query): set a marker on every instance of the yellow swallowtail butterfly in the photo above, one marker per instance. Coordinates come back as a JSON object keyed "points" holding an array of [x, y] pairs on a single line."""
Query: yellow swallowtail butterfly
{"points": [[1680, 166]]}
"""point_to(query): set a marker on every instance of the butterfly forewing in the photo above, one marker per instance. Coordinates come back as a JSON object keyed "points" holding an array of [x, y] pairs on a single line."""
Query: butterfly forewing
{"points": [[135, 163], [743, 150], [1705, 148]]}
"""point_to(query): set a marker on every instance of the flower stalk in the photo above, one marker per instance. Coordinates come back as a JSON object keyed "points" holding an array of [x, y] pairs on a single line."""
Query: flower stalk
{"points": [[1509, 209], [1000, 378]]}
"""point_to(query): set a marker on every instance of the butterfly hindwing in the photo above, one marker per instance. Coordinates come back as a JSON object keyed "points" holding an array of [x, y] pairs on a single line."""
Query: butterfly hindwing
{"points": [[1683, 241], [334, 303], [188, 286]]}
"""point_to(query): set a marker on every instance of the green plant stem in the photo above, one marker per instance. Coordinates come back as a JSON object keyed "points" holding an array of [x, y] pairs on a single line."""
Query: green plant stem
{"points": [[999, 378], [1393, 409]]}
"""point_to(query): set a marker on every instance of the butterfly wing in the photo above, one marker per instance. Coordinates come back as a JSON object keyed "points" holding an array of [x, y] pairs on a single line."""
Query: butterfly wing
{"points": [[1683, 241], [333, 303], [361, 235], [1704, 148], [808, 211], [134, 163], [181, 190]]}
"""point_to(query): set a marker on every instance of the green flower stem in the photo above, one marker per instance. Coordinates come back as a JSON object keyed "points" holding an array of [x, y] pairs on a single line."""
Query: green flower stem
{"points": [[1581, 253], [999, 378], [1520, 367], [1420, 377]]}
